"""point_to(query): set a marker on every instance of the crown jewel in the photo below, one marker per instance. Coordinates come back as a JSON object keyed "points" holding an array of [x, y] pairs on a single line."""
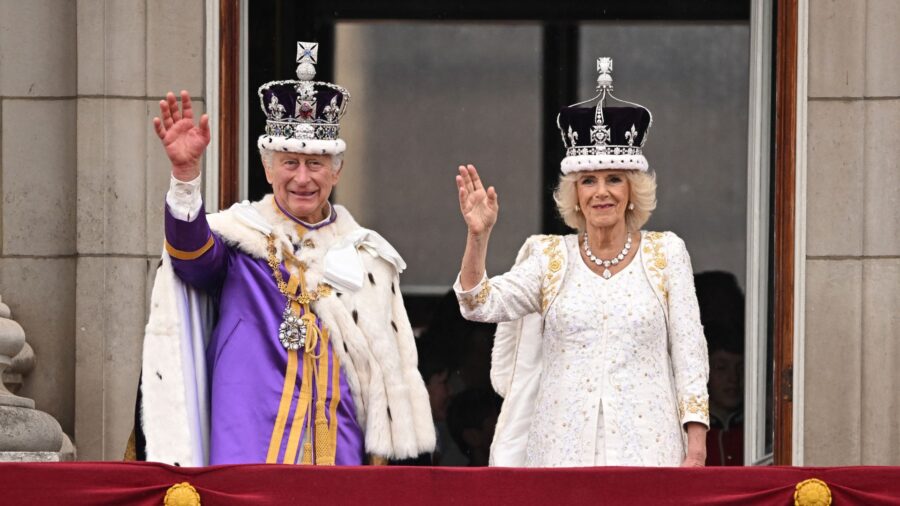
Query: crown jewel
{"points": [[604, 136], [303, 115]]}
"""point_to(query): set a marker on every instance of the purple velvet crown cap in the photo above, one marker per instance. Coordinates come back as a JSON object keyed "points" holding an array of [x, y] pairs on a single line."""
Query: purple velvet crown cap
{"points": [[619, 121], [303, 115], [599, 136]]}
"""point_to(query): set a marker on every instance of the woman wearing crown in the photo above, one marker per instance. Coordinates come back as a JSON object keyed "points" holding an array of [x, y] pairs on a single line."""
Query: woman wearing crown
{"points": [[277, 332], [600, 357]]}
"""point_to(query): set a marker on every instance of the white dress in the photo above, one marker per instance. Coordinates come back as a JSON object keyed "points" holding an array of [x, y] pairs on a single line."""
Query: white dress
{"points": [[586, 326], [619, 365]]}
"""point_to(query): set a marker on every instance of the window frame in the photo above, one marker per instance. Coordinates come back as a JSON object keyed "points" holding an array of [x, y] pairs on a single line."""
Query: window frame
{"points": [[774, 273]]}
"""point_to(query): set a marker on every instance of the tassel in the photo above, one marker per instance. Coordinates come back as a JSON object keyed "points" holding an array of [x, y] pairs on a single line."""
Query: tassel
{"points": [[307, 453], [312, 331], [322, 377]]}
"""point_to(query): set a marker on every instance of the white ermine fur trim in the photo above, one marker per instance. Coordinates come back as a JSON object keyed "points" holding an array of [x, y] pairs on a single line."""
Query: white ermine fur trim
{"points": [[581, 163], [305, 146], [369, 328], [164, 408]]}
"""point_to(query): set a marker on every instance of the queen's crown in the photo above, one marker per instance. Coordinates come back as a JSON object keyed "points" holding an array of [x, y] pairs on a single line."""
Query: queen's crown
{"points": [[598, 135]]}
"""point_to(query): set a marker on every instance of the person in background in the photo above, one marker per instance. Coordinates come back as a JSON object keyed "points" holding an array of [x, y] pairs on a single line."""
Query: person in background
{"points": [[454, 356], [722, 313], [725, 439], [472, 419], [435, 369]]}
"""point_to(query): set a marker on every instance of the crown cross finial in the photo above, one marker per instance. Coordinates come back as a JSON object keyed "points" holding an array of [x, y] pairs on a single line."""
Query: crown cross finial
{"points": [[307, 58], [604, 68]]}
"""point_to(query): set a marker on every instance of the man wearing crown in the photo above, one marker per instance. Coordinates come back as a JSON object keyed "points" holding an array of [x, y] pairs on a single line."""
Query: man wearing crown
{"points": [[277, 331]]}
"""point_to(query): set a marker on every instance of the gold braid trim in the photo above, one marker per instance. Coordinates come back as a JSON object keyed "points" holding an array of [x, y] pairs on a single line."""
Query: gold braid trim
{"points": [[290, 381], [190, 255], [550, 286], [332, 409], [319, 436], [322, 443]]}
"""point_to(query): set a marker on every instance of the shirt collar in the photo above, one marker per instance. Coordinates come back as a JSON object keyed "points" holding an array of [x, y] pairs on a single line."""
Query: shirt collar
{"points": [[308, 226]]}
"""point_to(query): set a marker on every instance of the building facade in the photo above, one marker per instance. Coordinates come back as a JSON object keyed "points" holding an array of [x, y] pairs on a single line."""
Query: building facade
{"points": [[83, 182]]}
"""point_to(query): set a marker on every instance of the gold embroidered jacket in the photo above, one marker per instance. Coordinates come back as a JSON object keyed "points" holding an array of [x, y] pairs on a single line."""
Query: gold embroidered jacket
{"points": [[521, 299]]}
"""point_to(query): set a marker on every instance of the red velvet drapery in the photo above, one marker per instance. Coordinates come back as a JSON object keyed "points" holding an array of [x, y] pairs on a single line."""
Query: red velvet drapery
{"points": [[138, 483]]}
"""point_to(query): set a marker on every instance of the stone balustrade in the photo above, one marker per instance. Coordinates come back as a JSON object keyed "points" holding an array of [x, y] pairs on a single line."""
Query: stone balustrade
{"points": [[26, 434]]}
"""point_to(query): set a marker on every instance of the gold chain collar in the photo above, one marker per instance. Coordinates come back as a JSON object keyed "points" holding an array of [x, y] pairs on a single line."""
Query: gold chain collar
{"points": [[304, 297]]}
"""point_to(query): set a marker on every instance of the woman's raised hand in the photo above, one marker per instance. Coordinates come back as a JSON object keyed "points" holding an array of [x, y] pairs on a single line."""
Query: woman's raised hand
{"points": [[184, 141], [478, 206]]}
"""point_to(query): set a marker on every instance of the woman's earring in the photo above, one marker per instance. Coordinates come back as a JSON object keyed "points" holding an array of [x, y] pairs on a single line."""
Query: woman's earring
{"points": [[631, 206], [577, 208]]}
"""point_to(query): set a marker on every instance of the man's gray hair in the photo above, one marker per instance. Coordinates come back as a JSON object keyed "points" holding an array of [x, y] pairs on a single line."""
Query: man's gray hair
{"points": [[337, 161]]}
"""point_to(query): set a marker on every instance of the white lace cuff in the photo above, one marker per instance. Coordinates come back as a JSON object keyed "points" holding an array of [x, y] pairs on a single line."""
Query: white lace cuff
{"points": [[183, 199]]}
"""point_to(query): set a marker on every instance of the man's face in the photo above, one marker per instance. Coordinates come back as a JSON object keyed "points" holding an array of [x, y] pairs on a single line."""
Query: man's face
{"points": [[726, 379], [302, 183]]}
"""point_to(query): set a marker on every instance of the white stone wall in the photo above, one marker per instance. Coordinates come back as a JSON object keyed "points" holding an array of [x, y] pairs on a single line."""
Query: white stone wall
{"points": [[130, 53], [83, 185], [37, 180], [852, 373]]}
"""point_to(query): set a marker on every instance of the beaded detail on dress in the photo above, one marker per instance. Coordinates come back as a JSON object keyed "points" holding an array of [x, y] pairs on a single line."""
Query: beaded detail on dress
{"points": [[597, 333]]}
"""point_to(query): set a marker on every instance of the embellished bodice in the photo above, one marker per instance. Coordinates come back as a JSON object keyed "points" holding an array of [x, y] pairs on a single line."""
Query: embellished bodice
{"points": [[593, 332]]}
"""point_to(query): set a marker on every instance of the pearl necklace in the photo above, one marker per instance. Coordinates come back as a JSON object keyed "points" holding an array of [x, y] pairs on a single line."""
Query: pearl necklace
{"points": [[606, 263]]}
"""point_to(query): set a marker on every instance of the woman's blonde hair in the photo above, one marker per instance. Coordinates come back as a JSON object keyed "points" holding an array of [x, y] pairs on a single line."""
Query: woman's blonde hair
{"points": [[642, 195]]}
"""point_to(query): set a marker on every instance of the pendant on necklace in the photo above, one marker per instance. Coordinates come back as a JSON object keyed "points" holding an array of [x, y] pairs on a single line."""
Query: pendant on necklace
{"points": [[292, 331], [607, 274]]}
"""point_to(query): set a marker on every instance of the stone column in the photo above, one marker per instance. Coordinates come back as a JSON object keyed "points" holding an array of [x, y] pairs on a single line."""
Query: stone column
{"points": [[130, 52], [852, 355], [38, 140]]}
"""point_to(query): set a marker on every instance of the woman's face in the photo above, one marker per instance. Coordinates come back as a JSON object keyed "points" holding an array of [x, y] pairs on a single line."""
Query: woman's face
{"points": [[603, 197]]}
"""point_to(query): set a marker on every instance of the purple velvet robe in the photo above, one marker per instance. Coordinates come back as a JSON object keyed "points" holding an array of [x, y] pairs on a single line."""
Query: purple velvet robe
{"points": [[246, 361]]}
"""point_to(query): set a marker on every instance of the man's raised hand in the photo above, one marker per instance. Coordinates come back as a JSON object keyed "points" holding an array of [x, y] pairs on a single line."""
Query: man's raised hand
{"points": [[183, 141]]}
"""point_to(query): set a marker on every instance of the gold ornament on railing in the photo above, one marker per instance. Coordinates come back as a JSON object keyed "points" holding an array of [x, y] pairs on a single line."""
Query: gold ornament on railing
{"points": [[182, 494], [812, 492]]}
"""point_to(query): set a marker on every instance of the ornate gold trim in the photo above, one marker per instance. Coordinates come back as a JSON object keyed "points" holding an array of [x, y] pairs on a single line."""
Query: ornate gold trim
{"points": [[695, 405], [472, 301], [812, 492], [552, 279], [653, 249], [323, 290], [182, 494]]}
